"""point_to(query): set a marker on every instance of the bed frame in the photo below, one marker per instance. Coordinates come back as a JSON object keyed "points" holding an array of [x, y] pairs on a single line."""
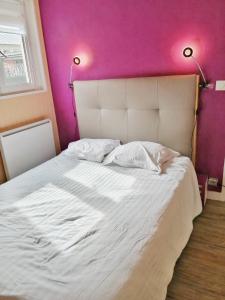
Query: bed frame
{"points": [[160, 109]]}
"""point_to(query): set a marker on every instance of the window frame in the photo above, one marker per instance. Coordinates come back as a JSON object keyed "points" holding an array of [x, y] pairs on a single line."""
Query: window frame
{"points": [[33, 56]]}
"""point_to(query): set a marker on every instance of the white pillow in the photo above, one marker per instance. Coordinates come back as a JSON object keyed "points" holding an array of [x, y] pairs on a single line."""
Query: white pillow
{"points": [[159, 153], [91, 149], [145, 155]]}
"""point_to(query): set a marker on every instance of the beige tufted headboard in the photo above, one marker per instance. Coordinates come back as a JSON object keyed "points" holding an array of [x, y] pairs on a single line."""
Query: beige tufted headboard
{"points": [[160, 109]]}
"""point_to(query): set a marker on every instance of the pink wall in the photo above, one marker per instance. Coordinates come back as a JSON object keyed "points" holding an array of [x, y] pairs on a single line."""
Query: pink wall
{"points": [[135, 38]]}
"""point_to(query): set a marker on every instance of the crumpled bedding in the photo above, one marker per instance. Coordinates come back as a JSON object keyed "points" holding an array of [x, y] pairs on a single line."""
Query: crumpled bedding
{"points": [[79, 230]]}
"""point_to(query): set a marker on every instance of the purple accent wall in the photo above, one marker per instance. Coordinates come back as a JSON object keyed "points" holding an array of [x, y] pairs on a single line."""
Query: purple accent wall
{"points": [[138, 38]]}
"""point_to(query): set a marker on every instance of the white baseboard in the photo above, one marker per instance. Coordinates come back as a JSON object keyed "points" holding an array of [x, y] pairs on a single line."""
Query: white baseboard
{"points": [[215, 195]]}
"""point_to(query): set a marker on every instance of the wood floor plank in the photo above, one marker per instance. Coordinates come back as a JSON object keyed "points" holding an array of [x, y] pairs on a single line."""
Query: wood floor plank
{"points": [[200, 271]]}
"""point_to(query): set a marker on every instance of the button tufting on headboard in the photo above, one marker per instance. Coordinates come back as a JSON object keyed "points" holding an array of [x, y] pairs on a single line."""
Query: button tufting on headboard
{"points": [[159, 109]]}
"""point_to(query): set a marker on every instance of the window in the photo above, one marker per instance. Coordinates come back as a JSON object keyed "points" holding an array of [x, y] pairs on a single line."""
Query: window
{"points": [[21, 67]]}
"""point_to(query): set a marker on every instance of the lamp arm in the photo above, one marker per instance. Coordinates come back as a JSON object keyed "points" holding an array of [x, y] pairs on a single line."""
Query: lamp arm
{"points": [[70, 78], [71, 73], [200, 69]]}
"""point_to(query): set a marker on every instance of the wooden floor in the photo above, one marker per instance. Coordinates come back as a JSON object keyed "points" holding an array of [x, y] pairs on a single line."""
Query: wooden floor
{"points": [[200, 271]]}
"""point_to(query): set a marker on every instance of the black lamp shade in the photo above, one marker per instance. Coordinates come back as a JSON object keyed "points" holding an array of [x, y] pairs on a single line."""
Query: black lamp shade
{"points": [[188, 52], [76, 60]]}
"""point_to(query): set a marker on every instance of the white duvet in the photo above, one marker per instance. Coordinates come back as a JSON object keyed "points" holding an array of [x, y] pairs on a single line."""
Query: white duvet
{"points": [[77, 230]]}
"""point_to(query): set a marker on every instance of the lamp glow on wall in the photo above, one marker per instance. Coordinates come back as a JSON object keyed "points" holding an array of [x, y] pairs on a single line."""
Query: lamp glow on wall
{"points": [[188, 53]]}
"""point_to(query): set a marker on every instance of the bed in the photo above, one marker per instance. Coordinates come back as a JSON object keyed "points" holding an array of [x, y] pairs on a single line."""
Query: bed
{"points": [[73, 229]]}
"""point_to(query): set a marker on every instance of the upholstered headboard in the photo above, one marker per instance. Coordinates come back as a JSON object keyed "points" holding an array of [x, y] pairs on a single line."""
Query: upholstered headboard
{"points": [[160, 109]]}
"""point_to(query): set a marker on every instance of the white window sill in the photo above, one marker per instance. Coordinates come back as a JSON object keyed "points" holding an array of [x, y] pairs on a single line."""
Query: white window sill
{"points": [[24, 93]]}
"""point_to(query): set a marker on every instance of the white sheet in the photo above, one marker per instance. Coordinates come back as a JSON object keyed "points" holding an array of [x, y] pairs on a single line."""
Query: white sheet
{"points": [[77, 230]]}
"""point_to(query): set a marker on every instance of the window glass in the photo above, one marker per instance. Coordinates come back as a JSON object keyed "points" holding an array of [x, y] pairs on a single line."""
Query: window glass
{"points": [[13, 65]]}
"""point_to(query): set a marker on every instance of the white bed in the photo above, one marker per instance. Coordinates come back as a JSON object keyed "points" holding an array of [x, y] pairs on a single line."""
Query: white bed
{"points": [[79, 230]]}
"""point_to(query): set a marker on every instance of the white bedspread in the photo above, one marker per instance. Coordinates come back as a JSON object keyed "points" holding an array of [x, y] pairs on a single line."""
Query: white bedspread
{"points": [[77, 230]]}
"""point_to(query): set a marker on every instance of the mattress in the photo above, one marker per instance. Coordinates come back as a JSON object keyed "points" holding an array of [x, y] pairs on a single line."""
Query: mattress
{"points": [[79, 230]]}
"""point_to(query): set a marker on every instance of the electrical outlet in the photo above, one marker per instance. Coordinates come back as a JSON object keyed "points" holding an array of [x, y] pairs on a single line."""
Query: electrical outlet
{"points": [[220, 85], [213, 181]]}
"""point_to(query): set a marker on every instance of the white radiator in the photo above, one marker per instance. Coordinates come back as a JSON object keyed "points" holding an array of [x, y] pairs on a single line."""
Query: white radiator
{"points": [[26, 147]]}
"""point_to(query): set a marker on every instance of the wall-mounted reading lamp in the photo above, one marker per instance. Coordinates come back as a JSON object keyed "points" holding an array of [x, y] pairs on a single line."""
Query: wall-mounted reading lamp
{"points": [[76, 61], [188, 53]]}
